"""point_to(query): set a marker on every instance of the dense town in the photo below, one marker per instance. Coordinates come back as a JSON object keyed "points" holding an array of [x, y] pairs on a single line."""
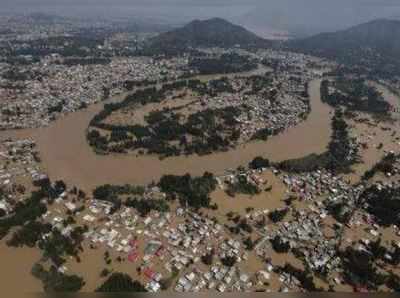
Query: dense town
{"points": [[323, 221], [53, 89]]}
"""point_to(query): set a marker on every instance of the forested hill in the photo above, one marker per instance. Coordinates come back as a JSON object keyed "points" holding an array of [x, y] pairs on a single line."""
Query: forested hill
{"points": [[209, 33]]}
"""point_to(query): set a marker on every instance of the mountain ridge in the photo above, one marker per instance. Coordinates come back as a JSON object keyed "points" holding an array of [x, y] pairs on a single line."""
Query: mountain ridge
{"points": [[381, 35]]}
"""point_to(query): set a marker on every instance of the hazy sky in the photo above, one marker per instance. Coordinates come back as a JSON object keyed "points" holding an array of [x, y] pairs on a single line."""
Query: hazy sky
{"points": [[300, 15], [172, 10]]}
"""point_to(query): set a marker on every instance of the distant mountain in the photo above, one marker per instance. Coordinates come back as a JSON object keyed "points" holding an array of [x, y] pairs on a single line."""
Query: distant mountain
{"points": [[214, 32], [304, 18], [376, 44]]}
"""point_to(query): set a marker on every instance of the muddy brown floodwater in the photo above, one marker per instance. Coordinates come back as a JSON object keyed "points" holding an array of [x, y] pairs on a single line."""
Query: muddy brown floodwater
{"points": [[66, 154], [15, 271]]}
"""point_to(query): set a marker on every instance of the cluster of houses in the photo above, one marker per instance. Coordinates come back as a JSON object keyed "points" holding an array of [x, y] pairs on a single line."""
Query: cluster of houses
{"points": [[161, 244], [219, 278], [177, 241], [171, 247], [285, 109], [56, 89], [19, 166], [309, 186]]}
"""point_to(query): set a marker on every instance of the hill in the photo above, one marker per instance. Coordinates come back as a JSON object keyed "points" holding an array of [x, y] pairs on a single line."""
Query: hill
{"points": [[214, 32], [375, 44]]}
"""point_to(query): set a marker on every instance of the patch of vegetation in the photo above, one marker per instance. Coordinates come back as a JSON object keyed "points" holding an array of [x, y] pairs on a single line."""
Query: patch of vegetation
{"points": [[208, 258], [55, 281], [259, 84], [243, 186], [56, 245], [305, 278], [383, 203], [24, 211], [360, 269], [243, 225], [340, 211], [385, 165], [218, 86], [264, 133], [308, 163], [229, 261], [192, 192], [280, 245], [354, 94], [209, 131], [120, 282], [145, 206], [112, 193], [29, 234], [248, 244], [72, 61], [226, 63], [278, 215]]}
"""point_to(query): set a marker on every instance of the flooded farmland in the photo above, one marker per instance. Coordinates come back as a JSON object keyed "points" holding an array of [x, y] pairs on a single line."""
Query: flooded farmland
{"points": [[66, 154]]}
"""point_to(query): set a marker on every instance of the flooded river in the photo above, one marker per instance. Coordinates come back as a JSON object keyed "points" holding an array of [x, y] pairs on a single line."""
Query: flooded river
{"points": [[66, 154]]}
